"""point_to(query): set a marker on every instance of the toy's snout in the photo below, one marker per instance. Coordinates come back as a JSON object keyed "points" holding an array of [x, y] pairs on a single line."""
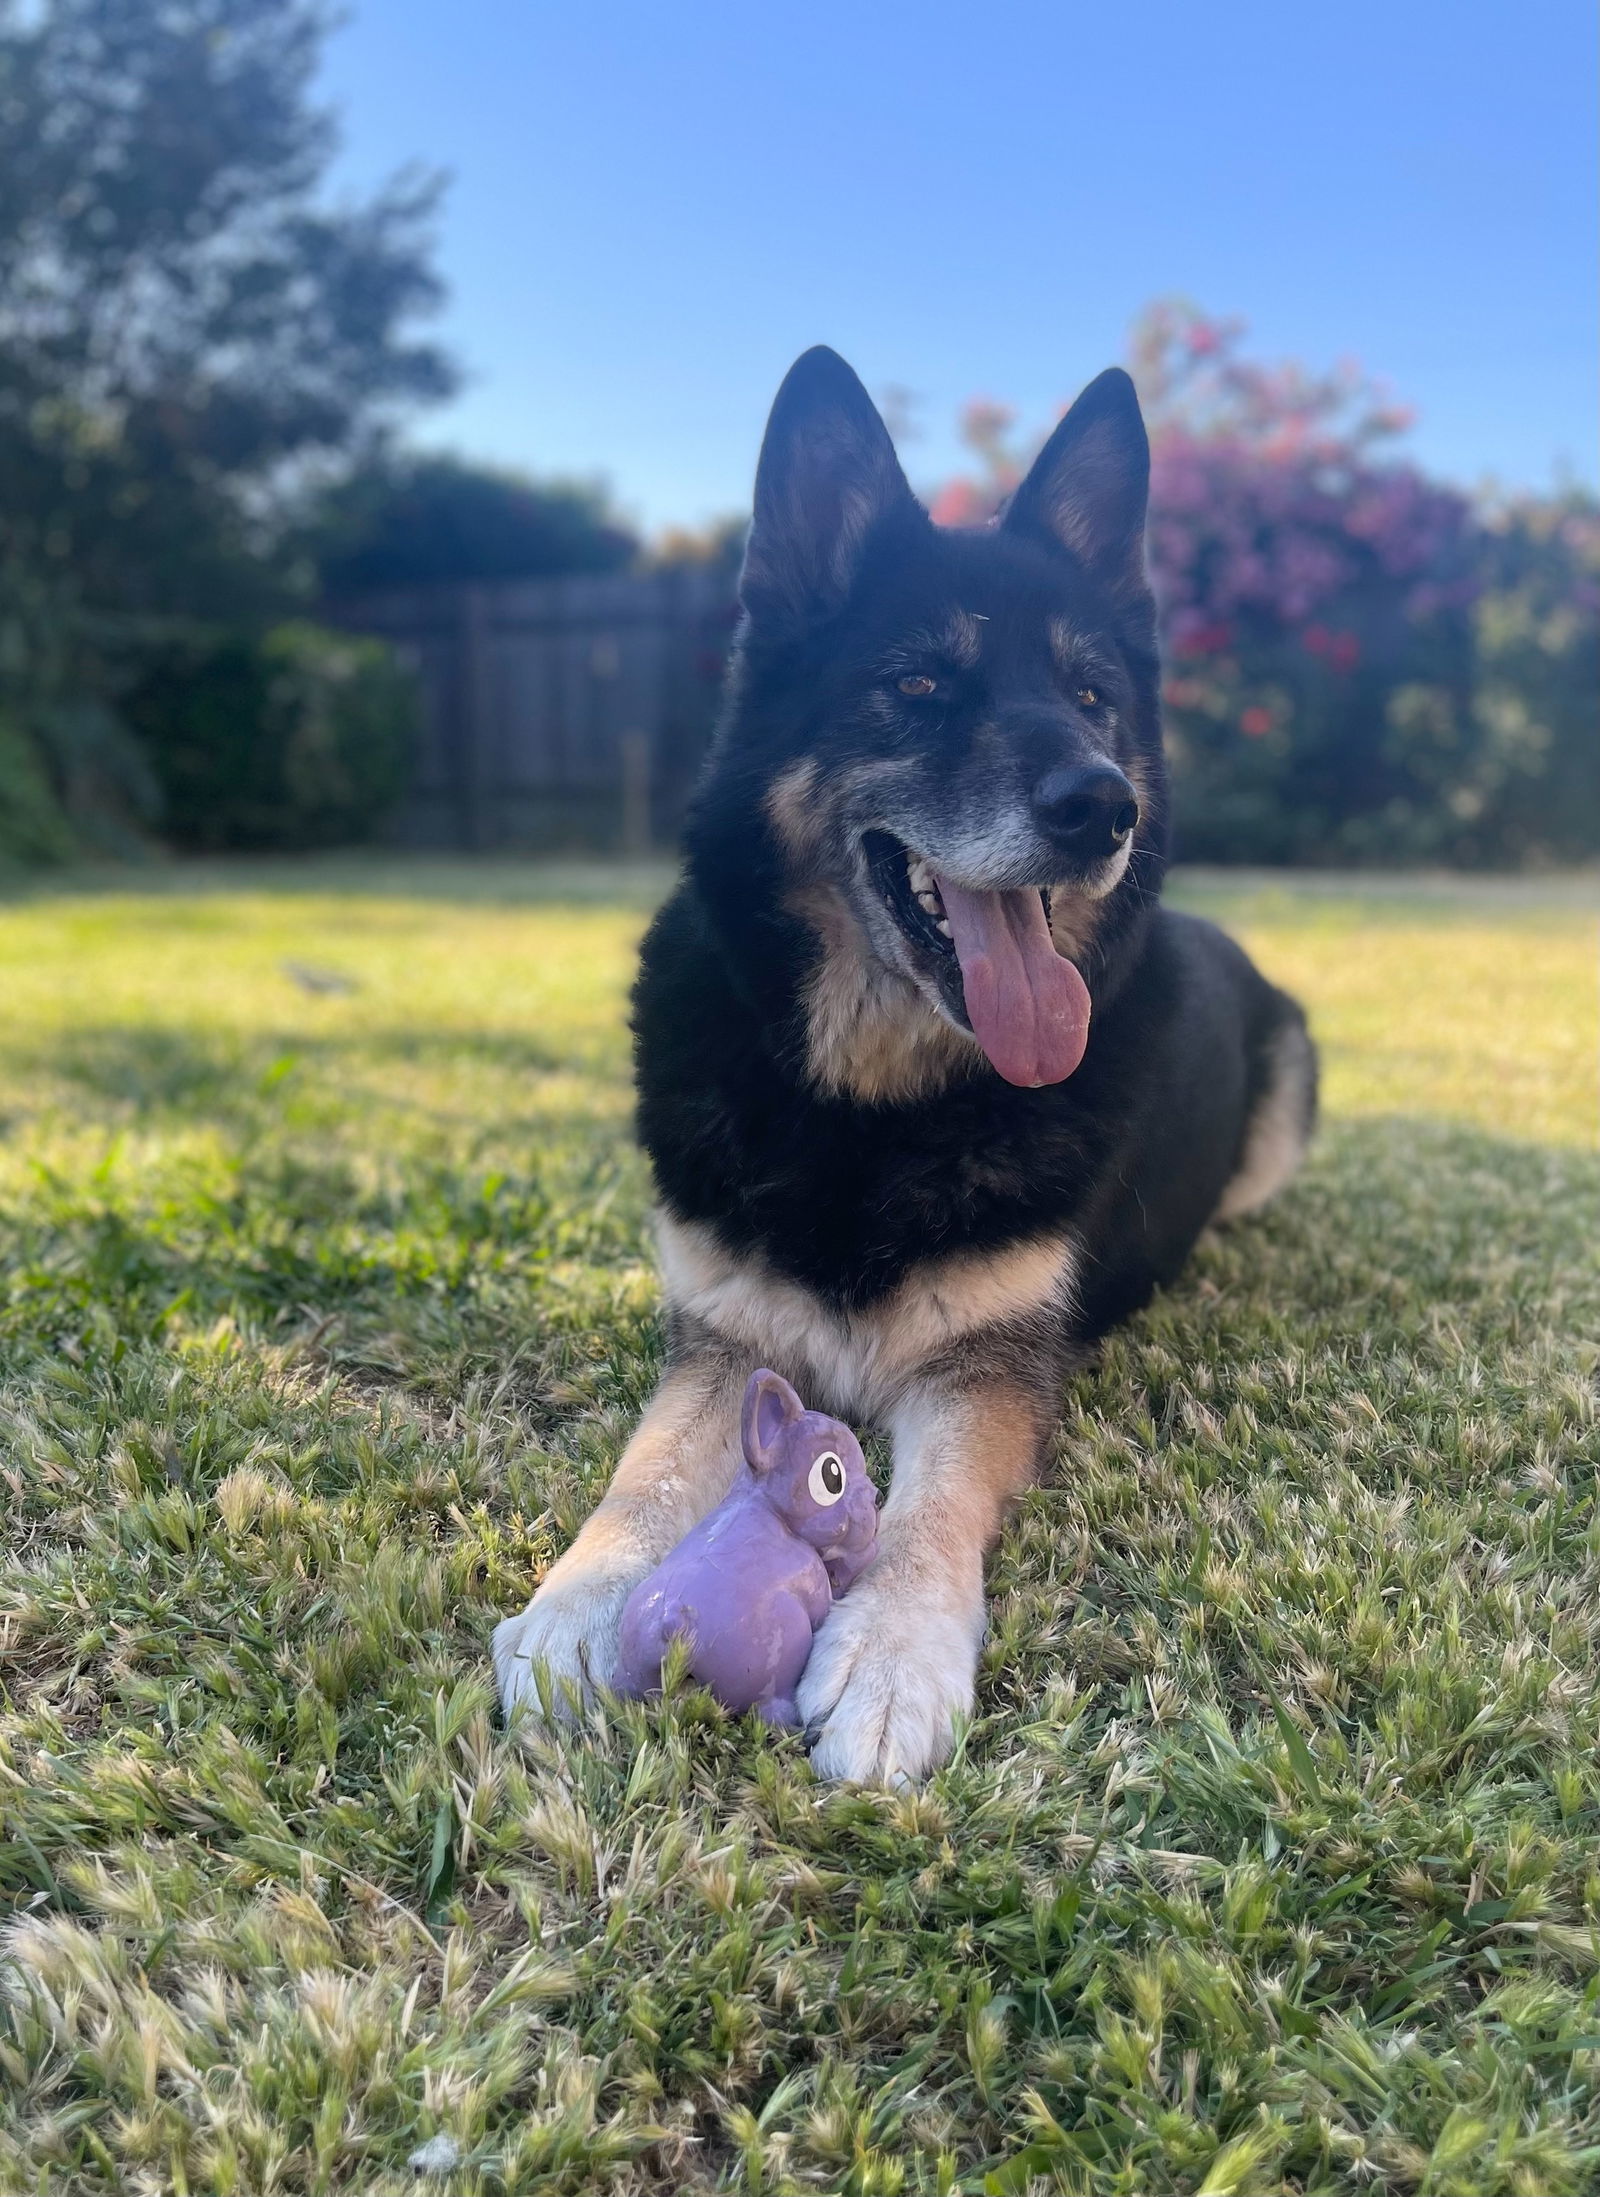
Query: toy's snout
{"points": [[853, 1521], [854, 1540]]}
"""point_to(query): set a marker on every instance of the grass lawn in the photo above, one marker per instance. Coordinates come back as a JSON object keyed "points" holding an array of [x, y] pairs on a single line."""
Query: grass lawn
{"points": [[1273, 1859]]}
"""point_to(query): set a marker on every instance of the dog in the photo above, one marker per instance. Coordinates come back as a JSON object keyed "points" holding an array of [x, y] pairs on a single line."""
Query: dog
{"points": [[934, 1090]]}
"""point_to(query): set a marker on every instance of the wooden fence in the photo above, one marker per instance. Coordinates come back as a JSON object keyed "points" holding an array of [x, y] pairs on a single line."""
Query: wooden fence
{"points": [[557, 713]]}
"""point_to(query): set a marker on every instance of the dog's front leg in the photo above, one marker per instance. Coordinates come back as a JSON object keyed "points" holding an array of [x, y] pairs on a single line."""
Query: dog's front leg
{"points": [[679, 1464], [894, 1662]]}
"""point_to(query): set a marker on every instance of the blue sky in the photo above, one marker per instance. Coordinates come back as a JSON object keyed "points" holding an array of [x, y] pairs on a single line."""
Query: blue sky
{"points": [[654, 208]]}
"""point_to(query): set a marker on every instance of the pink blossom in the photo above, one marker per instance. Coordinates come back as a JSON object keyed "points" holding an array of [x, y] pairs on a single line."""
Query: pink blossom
{"points": [[1274, 512], [960, 503]]}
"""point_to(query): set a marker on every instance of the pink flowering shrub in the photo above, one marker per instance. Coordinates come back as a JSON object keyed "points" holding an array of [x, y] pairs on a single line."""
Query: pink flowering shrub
{"points": [[1329, 622]]}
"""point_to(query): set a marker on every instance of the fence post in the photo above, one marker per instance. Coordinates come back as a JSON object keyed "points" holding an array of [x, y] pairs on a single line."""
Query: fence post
{"points": [[473, 729], [635, 746]]}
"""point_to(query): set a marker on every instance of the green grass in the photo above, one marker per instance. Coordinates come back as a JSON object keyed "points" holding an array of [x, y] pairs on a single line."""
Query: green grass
{"points": [[1272, 1861]]}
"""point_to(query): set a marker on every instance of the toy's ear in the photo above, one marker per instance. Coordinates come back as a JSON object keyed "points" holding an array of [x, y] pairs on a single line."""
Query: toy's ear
{"points": [[769, 1406]]}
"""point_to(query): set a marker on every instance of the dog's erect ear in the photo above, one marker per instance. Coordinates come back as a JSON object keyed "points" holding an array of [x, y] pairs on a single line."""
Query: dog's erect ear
{"points": [[769, 1406], [828, 476], [1088, 487]]}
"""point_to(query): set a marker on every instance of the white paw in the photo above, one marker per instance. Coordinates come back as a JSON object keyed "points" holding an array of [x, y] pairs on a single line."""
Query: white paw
{"points": [[568, 1633], [891, 1671]]}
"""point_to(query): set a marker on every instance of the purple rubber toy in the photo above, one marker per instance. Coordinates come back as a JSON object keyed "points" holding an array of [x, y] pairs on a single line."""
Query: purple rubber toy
{"points": [[749, 1585]]}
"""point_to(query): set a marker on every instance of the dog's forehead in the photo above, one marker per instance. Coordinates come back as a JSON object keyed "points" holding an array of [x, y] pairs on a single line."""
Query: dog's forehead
{"points": [[980, 595]]}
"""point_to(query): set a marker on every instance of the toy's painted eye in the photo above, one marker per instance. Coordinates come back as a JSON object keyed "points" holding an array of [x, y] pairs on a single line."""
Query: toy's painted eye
{"points": [[917, 684], [827, 1479]]}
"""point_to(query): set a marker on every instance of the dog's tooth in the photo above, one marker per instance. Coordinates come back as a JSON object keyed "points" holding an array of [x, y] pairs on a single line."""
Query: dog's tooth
{"points": [[942, 926], [920, 873]]}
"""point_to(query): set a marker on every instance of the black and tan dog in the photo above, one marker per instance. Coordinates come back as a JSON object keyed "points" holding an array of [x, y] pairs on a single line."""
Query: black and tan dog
{"points": [[934, 1091]]}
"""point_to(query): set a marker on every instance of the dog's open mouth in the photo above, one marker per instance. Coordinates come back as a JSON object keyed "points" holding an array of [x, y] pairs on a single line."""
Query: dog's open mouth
{"points": [[993, 959]]}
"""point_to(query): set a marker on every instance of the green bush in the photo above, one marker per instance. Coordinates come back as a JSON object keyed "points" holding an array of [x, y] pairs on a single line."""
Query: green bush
{"points": [[301, 739], [33, 826], [1536, 701], [73, 779]]}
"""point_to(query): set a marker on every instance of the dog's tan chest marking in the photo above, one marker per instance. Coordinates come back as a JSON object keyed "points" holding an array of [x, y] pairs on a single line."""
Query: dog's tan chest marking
{"points": [[869, 1032], [858, 1362]]}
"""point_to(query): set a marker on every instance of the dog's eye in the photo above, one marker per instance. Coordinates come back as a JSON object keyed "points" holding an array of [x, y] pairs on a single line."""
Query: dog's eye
{"points": [[1089, 697], [827, 1479], [917, 684]]}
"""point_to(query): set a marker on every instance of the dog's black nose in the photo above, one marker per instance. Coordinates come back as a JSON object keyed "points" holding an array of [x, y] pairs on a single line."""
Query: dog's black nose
{"points": [[1088, 809]]}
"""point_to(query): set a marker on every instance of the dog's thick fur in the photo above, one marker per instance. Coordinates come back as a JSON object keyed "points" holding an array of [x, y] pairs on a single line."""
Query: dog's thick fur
{"points": [[848, 1189]]}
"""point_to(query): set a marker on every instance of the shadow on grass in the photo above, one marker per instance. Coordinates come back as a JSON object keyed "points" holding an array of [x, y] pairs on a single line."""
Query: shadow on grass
{"points": [[1401, 1229], [224, 1080], [1399, 1224], [295, 1239], [472, 881]]}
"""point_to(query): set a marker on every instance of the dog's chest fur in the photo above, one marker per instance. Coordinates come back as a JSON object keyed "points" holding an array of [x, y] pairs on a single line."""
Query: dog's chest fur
{"points": [[843, 1198], [860, 1361]]}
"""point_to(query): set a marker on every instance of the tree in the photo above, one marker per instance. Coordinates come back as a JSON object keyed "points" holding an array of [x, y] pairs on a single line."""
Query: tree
{"points": [[186, 330], [407, 522], [184, 325]]}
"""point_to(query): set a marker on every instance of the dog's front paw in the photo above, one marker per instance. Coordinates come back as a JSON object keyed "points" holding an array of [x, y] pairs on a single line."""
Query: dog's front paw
{"points": [[891, 1671], [569, 1633]]}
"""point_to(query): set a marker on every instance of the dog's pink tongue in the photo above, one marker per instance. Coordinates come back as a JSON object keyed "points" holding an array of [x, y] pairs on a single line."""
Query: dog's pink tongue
{"points": [[1028, 1006]]}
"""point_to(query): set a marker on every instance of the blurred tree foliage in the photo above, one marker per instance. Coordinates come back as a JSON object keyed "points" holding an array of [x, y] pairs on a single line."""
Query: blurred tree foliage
{"points": [[186, 333], [408, 521], [717, 546], [1362, 665], [297, 739], [70, 770], [1536, 698]]}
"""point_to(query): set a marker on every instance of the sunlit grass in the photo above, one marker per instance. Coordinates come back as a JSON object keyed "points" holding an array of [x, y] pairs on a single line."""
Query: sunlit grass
{"points": [[1477, 1005], [1270, 1863]]}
